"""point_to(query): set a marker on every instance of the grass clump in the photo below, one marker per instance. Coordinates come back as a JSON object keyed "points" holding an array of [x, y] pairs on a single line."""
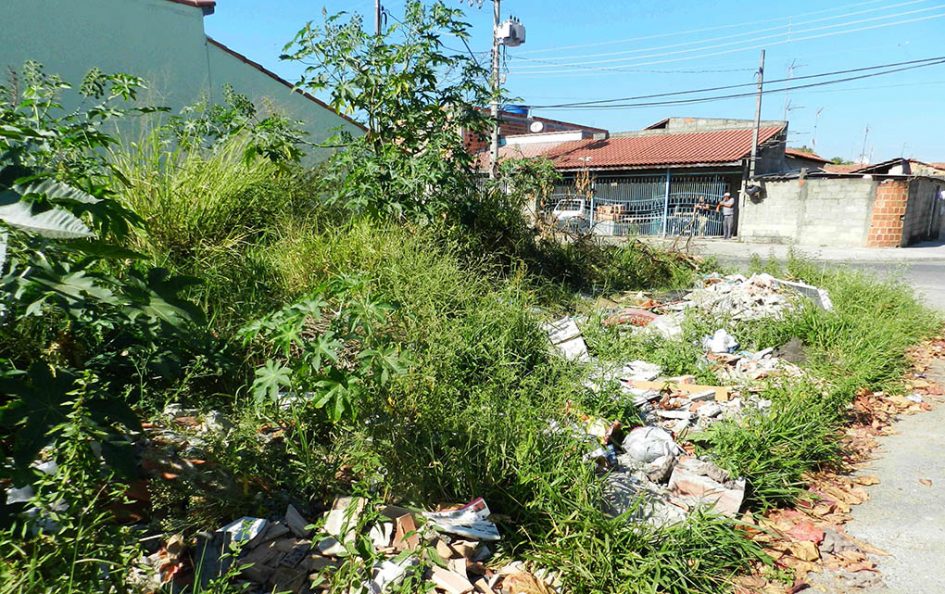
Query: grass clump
{"points": [[863, 342]]}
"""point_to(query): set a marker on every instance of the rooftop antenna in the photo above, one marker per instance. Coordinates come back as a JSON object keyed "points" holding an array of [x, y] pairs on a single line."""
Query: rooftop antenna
{"points": [[813, 136], [787, 95], [864, 159]]}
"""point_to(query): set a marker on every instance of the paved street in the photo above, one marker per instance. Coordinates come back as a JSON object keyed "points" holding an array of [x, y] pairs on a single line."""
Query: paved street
{"points": [[928, 278]]}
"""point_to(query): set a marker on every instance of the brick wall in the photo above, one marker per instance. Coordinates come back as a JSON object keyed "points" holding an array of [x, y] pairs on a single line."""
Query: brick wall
{"points": [[889, 211]]}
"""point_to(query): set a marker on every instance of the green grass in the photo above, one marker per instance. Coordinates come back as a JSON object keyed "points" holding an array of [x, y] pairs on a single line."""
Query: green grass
{"points": [[862, 343], [470, 415]]}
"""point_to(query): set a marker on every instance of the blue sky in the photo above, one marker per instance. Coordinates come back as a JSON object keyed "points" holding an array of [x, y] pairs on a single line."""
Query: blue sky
{"points": [[591, 50]]}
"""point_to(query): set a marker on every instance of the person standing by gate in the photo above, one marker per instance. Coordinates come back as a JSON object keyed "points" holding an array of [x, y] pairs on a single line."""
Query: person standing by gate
{"points": [[727, 206], [701, 214]]}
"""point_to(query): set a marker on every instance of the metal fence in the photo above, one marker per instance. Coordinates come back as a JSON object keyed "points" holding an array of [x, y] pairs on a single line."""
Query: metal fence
{"points": [[662, 204]]}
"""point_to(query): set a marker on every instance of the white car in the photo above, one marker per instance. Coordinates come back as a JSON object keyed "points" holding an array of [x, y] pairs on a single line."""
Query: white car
{"points": [[571, 213]]}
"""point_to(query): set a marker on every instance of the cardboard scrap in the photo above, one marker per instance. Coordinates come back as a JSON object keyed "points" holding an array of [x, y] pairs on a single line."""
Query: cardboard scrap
{"points": [[722, 393]]}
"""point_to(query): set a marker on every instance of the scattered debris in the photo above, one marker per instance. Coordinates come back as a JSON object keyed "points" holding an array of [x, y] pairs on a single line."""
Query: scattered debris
{"points": [[720, 342], [631, 315], [819, 296], [469, 521], [758, 297], [566, 337], [700, 483]]}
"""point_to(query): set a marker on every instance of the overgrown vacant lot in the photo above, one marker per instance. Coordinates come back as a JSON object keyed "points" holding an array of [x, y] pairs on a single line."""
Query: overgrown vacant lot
{"points": [[348, 330]]}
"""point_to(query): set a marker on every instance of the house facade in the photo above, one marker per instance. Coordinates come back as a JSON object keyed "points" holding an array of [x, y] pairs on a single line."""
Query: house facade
{"points": [[648, 182], [797, 159], [162, 41]]}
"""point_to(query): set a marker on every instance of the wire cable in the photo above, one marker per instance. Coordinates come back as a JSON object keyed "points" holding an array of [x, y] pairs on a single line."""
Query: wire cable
{"points": [[784, 30], [701, 30], [740, 95], [585, 64], [589, 71], [751, 84]]}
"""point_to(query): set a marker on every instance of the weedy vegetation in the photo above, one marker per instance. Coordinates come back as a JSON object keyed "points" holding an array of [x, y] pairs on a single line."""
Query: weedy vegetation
{"points": [[381, 311]]}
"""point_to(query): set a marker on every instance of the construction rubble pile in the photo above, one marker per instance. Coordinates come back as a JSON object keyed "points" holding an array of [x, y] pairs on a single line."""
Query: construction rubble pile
{"points": [[447, 549], [646, 472], [758, 297], [297, 552]]}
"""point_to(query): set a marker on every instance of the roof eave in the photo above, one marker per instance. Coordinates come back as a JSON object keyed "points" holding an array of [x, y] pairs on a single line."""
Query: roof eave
{"points": [[206, 6], [658, 166], [281, 80]]}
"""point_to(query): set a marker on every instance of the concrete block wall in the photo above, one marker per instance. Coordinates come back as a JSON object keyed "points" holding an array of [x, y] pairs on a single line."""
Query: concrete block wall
{"points": [[889, 212], [810, 212]]}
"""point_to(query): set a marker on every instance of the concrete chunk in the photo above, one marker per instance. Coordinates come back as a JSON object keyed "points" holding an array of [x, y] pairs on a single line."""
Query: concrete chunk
{"points": [[451, 582], [696, 482], [296, 523]]}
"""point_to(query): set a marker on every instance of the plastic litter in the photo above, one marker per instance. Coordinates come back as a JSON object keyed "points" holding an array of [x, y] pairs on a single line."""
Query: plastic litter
{"points": [[470, 521], [720, 342], [645, 444]]}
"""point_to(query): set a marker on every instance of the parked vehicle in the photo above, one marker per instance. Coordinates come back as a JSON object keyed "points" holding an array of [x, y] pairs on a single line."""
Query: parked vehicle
{"points": [[571, 214]]}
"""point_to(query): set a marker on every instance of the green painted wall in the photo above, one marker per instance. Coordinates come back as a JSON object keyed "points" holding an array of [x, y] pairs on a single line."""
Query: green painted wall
{"points": [[160, 41]]}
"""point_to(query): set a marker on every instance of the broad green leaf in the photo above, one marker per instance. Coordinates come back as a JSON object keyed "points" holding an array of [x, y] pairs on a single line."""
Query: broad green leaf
{"points": [[270, 378], [103, 250], [73, 284], [158, 297], [55, 223], [56, 191], [34, 405]]}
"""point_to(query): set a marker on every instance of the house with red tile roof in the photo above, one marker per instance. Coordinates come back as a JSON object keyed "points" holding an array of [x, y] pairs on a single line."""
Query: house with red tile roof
{"points": [[796, 159], [162, 41], [648, 182]]}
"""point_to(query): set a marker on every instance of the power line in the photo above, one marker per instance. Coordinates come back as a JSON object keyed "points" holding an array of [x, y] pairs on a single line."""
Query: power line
{"points": [[589, 70], [472, 54], [585, 64], [740, 95], [701, 30], [785, 30], [622, 69], [751, 84]]}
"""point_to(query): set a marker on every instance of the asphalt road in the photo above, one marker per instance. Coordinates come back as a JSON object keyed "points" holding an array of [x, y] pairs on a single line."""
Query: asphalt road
{"points": [[927, 278]]}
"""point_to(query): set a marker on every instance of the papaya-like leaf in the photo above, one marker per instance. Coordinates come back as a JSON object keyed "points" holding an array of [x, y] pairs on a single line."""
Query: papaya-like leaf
{"points": [[270, 379], [158, 296], [56, 191], [55, 223], [35, 404]]}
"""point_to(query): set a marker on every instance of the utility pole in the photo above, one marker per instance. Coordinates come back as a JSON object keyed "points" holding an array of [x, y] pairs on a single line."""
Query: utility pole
{"points": [[754, 136], [378, 10], [494, 109]]}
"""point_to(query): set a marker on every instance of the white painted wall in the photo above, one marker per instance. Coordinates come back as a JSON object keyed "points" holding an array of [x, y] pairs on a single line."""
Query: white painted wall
{"points": [[161, 41]]}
